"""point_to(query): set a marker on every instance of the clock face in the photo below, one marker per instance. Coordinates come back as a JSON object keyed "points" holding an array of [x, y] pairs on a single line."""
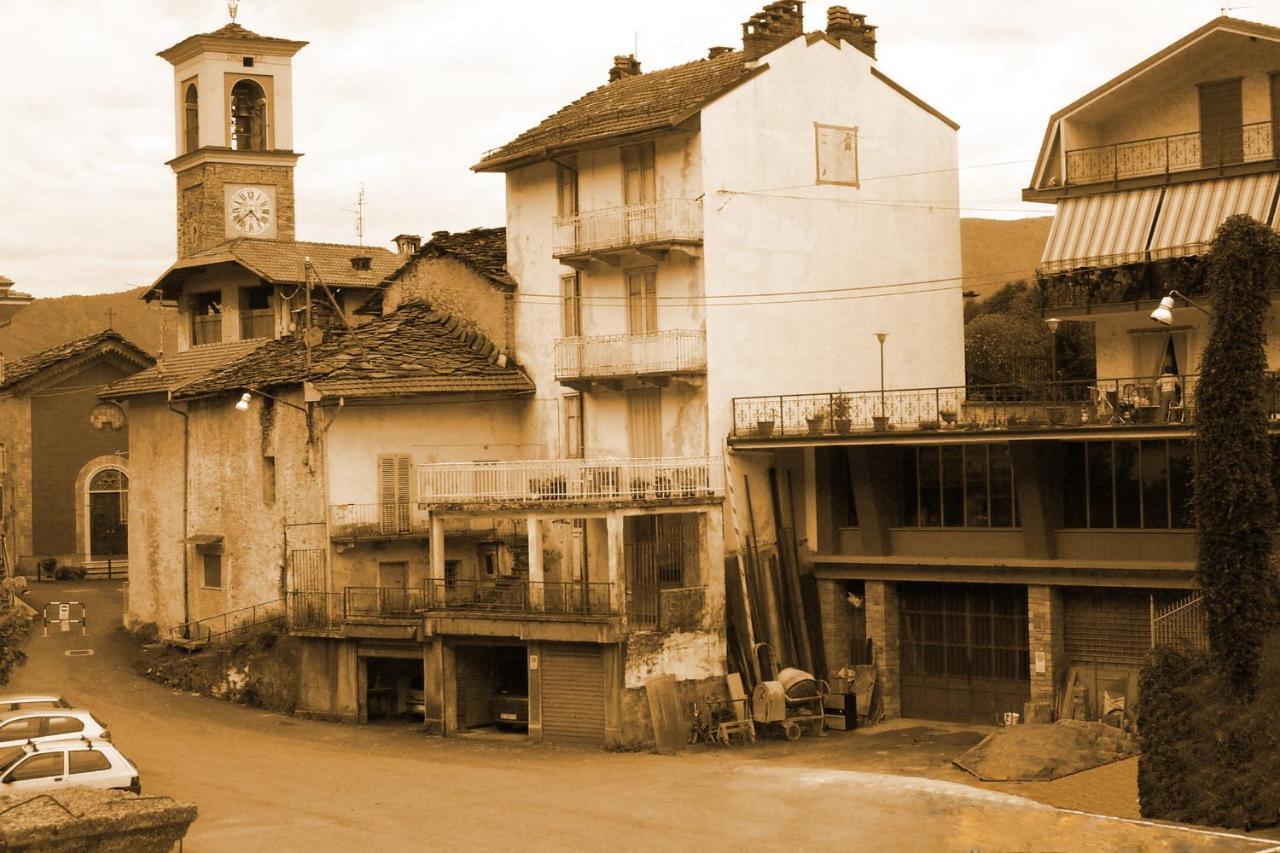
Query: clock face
{"points": [[251, 210]]}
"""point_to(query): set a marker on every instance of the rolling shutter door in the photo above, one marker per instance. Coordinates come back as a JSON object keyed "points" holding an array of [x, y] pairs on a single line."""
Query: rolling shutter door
{"points": [[1107, 626], [573, 694]]}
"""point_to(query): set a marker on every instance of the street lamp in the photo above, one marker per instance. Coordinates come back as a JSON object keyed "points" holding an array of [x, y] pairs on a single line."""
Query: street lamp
{"points": [[1164, 312], [242, 405], [880, 336]]}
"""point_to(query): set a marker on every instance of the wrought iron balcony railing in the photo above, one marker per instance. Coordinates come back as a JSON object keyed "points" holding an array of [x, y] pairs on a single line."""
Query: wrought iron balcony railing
{"points": [[1139, 401], [671, 220], [612, 356], [522, 596], [1164, 155], [542, 481], [373, 602]]}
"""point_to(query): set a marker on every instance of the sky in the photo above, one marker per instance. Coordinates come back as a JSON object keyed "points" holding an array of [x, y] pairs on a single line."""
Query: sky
{"points": [[403, 96]]}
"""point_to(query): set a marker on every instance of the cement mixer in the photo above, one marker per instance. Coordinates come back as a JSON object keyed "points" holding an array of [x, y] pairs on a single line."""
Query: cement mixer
{"points": [[789, 702]]}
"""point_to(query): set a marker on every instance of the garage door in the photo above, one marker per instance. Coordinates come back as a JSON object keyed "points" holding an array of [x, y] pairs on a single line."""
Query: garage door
{"points": [[964, 651], [573, 694]]}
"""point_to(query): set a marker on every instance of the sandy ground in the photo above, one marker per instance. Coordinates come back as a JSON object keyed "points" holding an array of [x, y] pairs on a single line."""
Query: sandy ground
{"points": [[268, 781]]}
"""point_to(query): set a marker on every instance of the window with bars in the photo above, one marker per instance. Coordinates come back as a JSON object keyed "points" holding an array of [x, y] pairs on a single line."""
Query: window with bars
{"points": [[967, 485], [1128, 485]]}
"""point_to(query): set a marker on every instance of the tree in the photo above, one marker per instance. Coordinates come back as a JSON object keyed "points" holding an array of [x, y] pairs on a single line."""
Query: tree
{"points": [[1234, 500], [1005, 331]]}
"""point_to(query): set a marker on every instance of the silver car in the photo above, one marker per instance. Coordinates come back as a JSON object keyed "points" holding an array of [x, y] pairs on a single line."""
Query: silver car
{"points": [[42, 725]]}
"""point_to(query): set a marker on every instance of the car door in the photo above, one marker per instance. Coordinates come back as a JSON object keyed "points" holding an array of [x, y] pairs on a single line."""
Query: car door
{"points": [[38, 772], [20, 730]]}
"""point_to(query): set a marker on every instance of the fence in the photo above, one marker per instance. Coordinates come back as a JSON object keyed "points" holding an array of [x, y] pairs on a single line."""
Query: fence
{"points": [[376, 601], [521, 596], [672, 351], [672, 219], [1180, 625], [315, 611], [570, 480], [222, 627]]}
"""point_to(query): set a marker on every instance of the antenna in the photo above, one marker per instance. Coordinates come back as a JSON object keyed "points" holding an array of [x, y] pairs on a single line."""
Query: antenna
{"points": [[1225, 9], [233, 6], [358, 210]]}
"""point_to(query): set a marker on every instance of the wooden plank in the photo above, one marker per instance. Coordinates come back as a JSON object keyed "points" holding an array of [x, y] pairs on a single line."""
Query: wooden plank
{"points": [[738, 694], [670, 726]]}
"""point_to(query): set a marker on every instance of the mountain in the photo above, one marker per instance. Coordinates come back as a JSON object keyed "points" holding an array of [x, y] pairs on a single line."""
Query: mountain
{"points": [[996, 251], [46, 323]]}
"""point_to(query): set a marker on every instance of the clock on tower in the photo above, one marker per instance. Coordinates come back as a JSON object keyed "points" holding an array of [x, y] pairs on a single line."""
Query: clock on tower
{"points": [[234, 137]]}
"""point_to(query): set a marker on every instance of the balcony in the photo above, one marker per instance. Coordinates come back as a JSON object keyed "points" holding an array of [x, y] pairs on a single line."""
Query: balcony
{"points": [[614, 357], [1165, 155], [557, 482], [384, 520], [653, 225], [1022, 408]]}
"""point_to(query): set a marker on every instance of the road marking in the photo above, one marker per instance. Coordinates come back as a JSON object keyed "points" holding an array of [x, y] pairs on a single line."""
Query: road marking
{"points": [[77, 653]]}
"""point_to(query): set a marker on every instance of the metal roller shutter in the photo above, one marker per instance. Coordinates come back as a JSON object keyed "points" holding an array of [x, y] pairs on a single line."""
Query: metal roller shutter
{"points": [[1107, 626], [573, 694]]}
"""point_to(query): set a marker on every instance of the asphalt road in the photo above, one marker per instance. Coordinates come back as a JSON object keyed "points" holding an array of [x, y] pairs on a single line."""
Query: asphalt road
{"points": [[271, 782]]}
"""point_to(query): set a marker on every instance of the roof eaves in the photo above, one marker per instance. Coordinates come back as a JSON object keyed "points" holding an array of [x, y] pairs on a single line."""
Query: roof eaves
{"points": [[745, 78], [904, 92]]}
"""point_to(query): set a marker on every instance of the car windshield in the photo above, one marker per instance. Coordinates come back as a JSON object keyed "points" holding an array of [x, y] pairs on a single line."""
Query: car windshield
{"points": [[9, 755]]}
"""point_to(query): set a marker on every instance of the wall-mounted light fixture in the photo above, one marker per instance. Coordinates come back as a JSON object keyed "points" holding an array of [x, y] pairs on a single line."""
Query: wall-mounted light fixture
{"points": [[1164, 312]]}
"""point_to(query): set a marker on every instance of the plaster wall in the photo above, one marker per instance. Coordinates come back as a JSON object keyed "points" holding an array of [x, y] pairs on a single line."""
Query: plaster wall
{"points": [[210, 70], [450, 285], [900, 225], [156, 533]]}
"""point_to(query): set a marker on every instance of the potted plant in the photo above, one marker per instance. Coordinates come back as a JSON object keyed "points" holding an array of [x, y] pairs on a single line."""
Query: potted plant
{"points": [[764, 428], [840, 407], [662, 485], [817, 420], [639, 488], [1057, 415], [880, 422], [948, 416], [926, 424]]}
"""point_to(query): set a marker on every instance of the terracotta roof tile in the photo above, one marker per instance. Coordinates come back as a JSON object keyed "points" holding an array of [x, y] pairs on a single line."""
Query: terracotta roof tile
{"points": [[28, 368], [414, 350], [631, 105], [176, 370]]}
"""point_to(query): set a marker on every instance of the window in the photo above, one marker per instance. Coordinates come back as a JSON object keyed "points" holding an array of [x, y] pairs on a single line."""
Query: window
{"points": [[20, 729], [642, 301], [1221, 123], [566, 190], [644, 424], [571, 305], [1127, 485], [844, 507], [87, 761], [248, 117], [63, 726], [212, 570], [206, 318], [837, 154], [39, 767], [959, 486], [257, 320], [639, 180], [394, 492], [192, 117], [451, 572], [572, 442]]}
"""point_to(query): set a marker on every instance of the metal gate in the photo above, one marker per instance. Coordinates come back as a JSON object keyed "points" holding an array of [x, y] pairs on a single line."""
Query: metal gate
{"points": [[964, 651], [659, 552], [573, 698]]}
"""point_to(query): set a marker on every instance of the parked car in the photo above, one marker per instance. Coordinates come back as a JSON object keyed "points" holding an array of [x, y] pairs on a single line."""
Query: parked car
{"points": [[510, 709], [43, 767], [415, 701], [19, 702], [40, 725]]}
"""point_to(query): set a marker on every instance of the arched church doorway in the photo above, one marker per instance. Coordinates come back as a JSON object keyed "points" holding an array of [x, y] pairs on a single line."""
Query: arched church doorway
{"points": [[108, 514]]}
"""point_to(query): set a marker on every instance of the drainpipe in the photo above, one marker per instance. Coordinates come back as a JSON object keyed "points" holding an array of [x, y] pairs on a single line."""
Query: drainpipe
{"points": [[186, 474]]}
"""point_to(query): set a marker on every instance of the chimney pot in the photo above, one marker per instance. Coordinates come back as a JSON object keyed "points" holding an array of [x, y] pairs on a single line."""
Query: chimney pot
{"points": [[851, 27], [772, 27], [718, 50], [408, 244], [624, 66]]}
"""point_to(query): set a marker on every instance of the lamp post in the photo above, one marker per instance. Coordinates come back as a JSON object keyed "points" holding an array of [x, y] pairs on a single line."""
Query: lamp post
{"points": [[880, 336], [1053, 323]]}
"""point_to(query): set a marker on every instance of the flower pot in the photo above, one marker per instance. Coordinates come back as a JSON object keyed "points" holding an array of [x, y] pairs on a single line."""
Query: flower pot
{"points": [[948, 418], [1057, 415], [880, 422], [816, 425], [843, 425], [764, 429]]}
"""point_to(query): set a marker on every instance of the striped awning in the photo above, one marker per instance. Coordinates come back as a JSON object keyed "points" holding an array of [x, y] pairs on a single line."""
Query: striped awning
{"points": [[1192, 213], [1100, 230]]}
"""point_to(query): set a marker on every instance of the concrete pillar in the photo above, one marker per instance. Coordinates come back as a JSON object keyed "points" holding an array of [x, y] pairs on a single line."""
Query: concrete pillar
{"points": [[433, 692], [835, 613], [435, 568], [533, 529], [616, 561], [1046, 642], [534, 661], [882, 628]]}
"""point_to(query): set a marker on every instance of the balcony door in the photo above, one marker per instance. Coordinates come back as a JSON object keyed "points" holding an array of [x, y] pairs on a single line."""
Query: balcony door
{"points": [[1221, 123], [639, 191], [644, 423], [642, 301]]}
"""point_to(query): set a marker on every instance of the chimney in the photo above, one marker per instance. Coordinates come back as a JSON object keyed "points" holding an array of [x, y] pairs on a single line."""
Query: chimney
{"points": [[852, 28], [624, 66], [408, 244], [719, 50], [772, 27]]}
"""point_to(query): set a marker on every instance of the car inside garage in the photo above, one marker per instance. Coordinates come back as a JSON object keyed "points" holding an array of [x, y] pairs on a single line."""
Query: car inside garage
{"points": [[389, 688], [492, 687]]}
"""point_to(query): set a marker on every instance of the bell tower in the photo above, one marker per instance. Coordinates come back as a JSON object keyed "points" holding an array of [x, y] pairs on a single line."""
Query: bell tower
{"points": [[233, 114]]}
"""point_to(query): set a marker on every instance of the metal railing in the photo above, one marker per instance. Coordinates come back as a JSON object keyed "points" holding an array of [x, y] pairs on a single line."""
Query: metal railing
{"points": [[380, 520], [380, 601], [522, 596], [220, 628], [1163, 155], [671, 219], [673, 351], [570, 480], [1077, 403], [1180, 625], [321, 612]]}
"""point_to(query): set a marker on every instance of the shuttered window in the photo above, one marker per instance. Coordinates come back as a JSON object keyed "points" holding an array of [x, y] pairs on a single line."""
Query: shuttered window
{"points": [[644, 424], [642, 301], [571, 305], [566, 190], [394, 492], [639, 177], [572, 420], [1221, 123]]}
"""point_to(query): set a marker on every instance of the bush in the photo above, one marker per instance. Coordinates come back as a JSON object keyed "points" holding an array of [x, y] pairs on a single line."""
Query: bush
{"points": [[14, 627]]}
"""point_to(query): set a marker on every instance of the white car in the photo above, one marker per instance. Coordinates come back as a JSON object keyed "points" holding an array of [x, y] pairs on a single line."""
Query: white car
{"points": [[44, 767], [21, 702], [41, 725]]}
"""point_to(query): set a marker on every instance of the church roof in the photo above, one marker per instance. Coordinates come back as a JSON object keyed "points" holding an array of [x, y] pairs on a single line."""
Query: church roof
{"points": [[27, 369], [231, 36], [414, 350], [281, 262]]}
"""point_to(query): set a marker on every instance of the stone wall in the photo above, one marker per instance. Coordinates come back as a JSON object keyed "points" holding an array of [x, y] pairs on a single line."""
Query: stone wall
{"points": [[450, 285], [1046, 640], [77, 819], [202, 202], [883, 629]]}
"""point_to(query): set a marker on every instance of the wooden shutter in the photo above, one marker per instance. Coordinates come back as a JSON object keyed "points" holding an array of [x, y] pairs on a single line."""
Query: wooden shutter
{"points": [[394, 492], [566, 191], [642, 302], [571, 305], [1221, 123], [639, 177], [573, 433], [644, 421]]}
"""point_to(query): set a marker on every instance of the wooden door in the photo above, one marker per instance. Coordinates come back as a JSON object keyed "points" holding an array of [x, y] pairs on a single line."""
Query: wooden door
{"points": [[1221, 123]]}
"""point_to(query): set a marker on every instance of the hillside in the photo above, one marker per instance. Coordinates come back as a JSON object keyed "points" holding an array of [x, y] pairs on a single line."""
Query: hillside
{"points": [[996, 251], [48, 322]]}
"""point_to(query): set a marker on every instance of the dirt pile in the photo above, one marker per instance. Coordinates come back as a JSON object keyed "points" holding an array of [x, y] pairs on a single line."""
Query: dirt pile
{"points": [[1032, 753]]}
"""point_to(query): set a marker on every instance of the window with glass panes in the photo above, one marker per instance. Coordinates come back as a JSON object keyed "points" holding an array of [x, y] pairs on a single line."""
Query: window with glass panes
{"points": [[1127, 485], [968, 485]]}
